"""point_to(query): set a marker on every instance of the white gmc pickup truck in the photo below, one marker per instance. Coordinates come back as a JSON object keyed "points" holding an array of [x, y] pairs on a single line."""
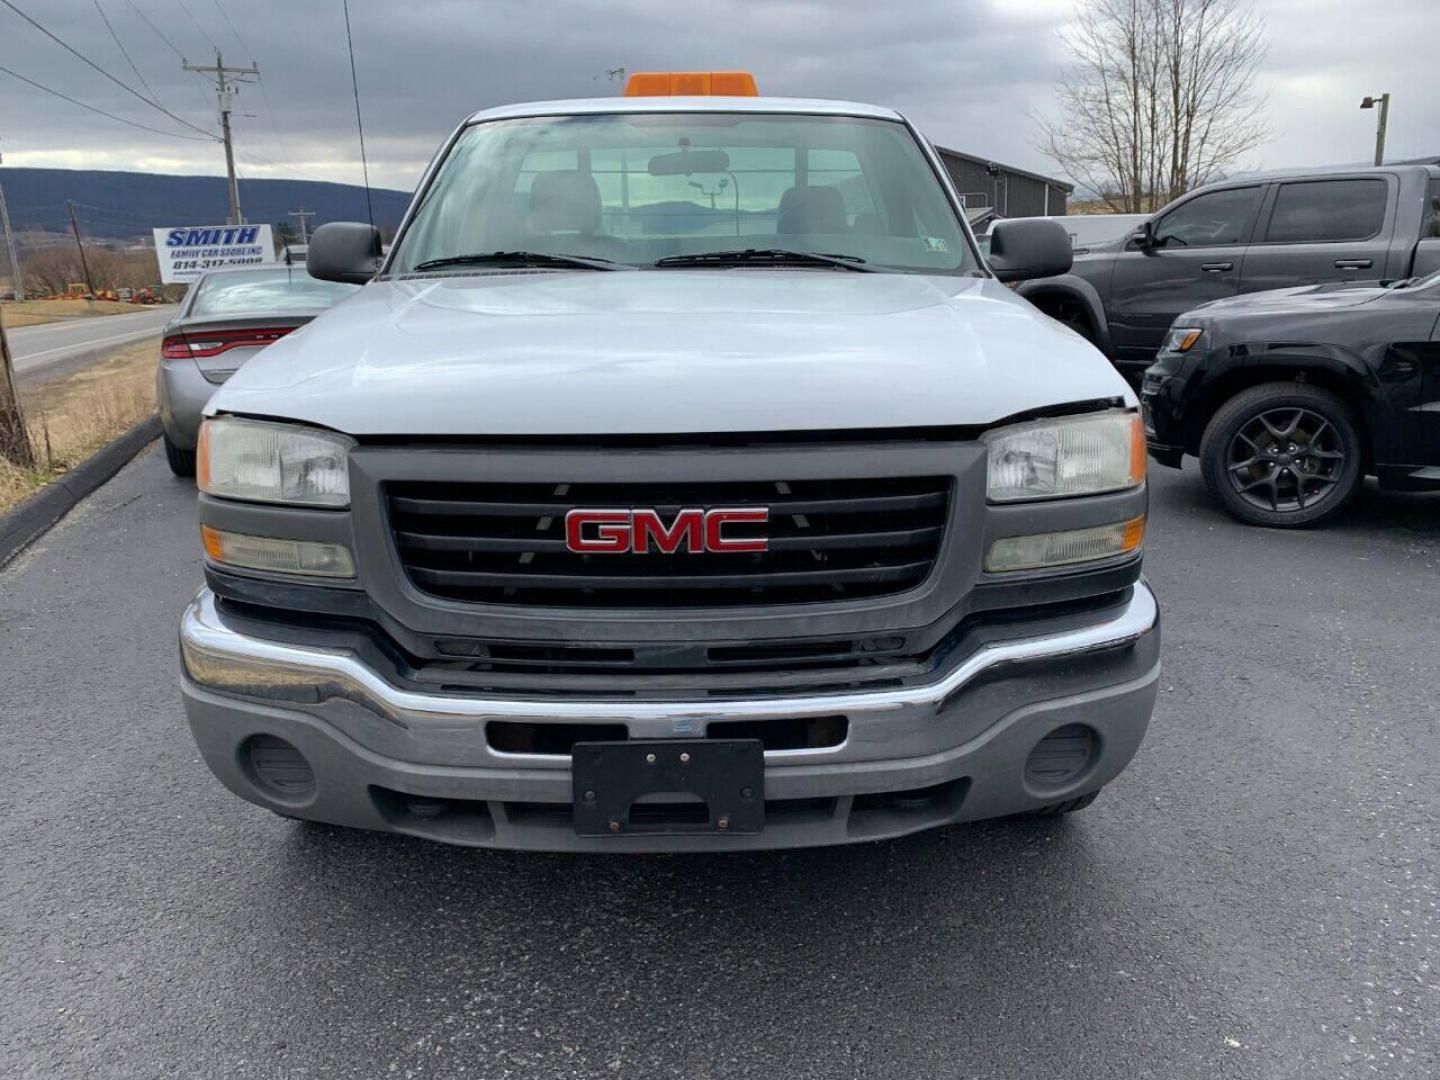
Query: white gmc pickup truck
{"points": [[682, 479]]}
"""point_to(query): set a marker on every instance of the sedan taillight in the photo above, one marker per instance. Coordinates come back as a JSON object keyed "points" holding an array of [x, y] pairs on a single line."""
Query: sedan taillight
{"points": [[215, 342]]}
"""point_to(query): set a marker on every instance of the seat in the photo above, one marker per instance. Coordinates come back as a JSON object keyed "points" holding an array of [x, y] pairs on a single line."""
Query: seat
{"points": [[566, 202], [811, 210]]}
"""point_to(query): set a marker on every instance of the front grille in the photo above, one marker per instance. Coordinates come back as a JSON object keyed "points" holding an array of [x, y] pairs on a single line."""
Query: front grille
{"points": [[829, 540]]}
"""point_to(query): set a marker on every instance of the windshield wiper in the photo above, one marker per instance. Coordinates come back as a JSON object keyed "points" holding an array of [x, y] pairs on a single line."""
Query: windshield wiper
{"points": [[773, 256], [522, 258]]}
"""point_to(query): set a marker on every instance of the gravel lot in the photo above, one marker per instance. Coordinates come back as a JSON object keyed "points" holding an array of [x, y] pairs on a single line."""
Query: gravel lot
{"points": [[1256, 897]]}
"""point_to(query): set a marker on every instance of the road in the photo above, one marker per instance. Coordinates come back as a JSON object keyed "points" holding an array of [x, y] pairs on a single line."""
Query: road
{"points": [[52, 347], [1256, 897]]}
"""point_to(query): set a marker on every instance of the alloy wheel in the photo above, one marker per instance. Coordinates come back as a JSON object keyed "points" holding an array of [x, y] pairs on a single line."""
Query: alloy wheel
{"points": [[1286, 459]]}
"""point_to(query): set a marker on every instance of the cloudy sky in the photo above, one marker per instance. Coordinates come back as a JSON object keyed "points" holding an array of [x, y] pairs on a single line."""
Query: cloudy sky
{"points": [[971, 73]]}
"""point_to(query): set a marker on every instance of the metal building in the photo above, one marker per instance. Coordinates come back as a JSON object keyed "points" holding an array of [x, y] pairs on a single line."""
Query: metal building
{"points": [[1003, 190]]}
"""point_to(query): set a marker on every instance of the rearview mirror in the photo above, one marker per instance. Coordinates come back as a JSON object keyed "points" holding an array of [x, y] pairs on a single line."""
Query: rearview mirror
{"points": [[690, 161], [347, 251], [1027, 248]]}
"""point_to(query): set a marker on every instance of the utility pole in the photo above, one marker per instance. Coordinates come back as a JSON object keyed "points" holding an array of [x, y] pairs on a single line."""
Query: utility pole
{"points": [[301, 215], [1384, 102], [14, 439], [17, 283], [226, 80], [84, 263]]}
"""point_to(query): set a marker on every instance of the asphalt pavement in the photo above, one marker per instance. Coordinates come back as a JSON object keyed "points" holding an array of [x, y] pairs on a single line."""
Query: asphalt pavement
{"points": [[50, 348], [1256, 897]]}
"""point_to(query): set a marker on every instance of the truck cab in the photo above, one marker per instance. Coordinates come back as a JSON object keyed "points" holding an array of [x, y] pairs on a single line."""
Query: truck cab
{"points": [[1247, 235]]}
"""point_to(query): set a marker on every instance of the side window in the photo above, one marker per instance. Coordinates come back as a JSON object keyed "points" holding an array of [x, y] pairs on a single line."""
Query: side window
{"points": [[1431, 226], [1327, 210], [1217, 217]]}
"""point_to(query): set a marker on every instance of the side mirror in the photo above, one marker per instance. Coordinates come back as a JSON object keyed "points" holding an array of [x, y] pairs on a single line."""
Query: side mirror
{"points": [[1144, 236], [1025, 248], [347, 251]]}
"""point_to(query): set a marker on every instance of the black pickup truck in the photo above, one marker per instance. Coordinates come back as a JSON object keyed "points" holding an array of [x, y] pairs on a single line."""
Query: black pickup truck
{"points": [[1246, 235]]}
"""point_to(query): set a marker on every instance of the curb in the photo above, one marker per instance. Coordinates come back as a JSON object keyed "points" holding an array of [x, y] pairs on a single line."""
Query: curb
{"points": [[34, 517]]}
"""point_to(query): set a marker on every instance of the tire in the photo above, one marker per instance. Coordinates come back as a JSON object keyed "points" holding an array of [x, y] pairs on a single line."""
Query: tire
{"points": [[182, 462], [1071, 314], [1069, 806], [1284, 455]]}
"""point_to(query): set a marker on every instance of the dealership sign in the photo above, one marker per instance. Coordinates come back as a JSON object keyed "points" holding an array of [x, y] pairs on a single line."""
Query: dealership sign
{"points": [[187, 253]]}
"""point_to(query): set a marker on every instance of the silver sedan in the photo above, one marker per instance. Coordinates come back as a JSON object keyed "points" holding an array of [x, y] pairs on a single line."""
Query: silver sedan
{"points": [[227, 317]]}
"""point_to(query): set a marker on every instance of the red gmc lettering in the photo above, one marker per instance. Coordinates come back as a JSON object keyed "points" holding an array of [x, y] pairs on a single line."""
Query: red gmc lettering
{"points": [[716, 520], [611, 535], [689, 527], [617, 532]]}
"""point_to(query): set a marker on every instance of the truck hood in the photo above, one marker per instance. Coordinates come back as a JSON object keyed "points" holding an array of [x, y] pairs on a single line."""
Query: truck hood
{"points": [[669, 352], [1329, 296]]}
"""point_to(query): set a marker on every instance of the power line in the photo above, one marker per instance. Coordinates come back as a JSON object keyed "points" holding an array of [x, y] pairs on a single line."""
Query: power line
{"points": [[114, 211], [135, 7], [91, 63], [258, 160], [274, 124], [359, 124], [116, 37], [102, 112], [203, 32], [158, 32], [205, 105], [238, 39]]}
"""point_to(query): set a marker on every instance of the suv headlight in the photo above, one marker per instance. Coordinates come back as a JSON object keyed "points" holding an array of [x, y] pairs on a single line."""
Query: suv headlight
{"points": [[274, 463], [1181, 339], [1069, 455]]}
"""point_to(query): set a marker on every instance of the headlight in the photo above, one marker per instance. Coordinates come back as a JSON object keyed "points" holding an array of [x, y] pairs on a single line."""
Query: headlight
{"points": [[1182, 339], [273, 463], [1070, 455]]}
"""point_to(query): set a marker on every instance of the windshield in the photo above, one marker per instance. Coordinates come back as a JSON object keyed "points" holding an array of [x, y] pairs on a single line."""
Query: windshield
{"points": [[266, 292], [636, 188]]}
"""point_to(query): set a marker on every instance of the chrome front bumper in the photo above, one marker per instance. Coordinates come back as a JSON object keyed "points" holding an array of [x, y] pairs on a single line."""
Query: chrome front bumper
{"points": [[363, 734]]}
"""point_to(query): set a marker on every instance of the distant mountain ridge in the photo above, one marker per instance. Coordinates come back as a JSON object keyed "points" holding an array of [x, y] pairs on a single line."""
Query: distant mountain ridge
{"points": [[123, 205]]}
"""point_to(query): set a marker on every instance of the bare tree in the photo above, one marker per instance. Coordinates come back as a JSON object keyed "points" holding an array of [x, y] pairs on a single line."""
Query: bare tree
{"points": [[50, 267], [1160, 98]]}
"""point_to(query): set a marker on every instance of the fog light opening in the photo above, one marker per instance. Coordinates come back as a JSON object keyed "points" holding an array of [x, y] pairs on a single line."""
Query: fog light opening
{"points": [[1062, 758], [277, 768], [427, 808]]}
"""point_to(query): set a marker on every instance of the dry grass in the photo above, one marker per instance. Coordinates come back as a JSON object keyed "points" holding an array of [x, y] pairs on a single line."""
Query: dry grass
{"points": [[72, 417], [36, 312]]}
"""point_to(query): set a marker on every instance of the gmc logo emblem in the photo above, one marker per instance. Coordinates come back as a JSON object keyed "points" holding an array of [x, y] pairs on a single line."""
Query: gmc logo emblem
{"points": [[620, 532]]}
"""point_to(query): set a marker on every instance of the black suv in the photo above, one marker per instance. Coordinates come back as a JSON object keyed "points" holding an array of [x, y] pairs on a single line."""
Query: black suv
{"points": [[1289, 398], [1243, 236]]}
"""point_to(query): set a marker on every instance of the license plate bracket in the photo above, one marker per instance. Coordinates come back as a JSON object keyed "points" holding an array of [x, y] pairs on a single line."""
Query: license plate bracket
{"points": [[726, 775]]}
